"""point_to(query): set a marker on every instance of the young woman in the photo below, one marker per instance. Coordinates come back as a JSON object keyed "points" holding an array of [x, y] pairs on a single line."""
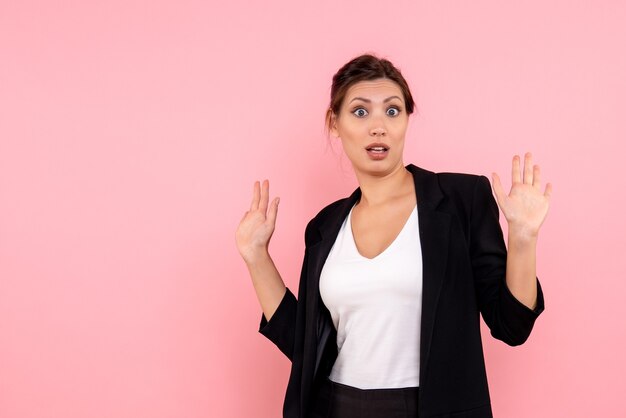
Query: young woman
{"points": [[394, 276]]}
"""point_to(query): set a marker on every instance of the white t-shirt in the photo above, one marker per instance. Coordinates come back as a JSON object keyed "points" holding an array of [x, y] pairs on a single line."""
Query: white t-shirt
{"points": [[376, 306]]}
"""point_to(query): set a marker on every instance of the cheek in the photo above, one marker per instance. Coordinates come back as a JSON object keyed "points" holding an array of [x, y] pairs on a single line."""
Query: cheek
{"points": [[352, 133], [400, 132]]}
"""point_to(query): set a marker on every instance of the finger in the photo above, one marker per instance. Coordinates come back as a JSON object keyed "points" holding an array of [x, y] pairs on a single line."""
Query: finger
{"points": [[537, 177], [548, 191], [516, 176], [528, 168], [255, 197], [265, 191], [271, 216], [497, 188]]}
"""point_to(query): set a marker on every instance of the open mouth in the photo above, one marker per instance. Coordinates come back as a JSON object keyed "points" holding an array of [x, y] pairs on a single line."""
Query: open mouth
{"points": [[377, 149]]}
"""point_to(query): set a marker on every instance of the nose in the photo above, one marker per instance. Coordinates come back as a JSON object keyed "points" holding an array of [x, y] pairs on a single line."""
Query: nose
{"points": [[378, 130], [377, 125]]}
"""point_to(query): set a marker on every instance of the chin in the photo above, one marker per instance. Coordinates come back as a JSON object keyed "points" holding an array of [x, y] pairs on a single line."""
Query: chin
{"points": [[377, 168]]}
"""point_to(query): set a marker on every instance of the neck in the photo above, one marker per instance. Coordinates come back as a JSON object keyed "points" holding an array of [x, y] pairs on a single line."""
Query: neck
{"points": [[379, 190]]}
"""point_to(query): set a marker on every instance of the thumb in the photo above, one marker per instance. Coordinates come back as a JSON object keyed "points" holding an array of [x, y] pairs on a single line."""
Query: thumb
{"points": [[271, 216], [497, 188]]}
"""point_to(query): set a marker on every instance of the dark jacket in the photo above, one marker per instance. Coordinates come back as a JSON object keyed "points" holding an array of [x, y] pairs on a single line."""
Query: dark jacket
{"points": [[464, 268]]}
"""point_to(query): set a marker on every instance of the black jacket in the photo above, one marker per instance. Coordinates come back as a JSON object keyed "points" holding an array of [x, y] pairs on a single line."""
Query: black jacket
{"points": [[464, 267]]}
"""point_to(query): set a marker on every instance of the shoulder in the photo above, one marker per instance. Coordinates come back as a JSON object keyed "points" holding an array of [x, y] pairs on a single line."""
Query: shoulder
{"points": [[451, 184], [327, 212], [464, 184], [468, 195], [453, 192]]}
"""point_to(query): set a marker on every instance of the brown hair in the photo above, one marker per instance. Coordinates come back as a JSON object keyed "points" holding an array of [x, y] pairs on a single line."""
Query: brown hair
{"points": [[364, 67]]}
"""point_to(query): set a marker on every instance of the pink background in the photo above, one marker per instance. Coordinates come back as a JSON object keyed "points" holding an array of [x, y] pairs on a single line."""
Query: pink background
{"points": [[131, 133]]}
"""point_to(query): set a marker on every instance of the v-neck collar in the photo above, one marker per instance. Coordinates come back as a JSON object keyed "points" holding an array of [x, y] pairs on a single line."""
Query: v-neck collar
{"points": [[352, 242]]}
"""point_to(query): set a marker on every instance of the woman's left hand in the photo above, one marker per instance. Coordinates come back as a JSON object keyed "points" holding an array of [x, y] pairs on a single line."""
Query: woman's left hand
{"points": [[526, 207]]}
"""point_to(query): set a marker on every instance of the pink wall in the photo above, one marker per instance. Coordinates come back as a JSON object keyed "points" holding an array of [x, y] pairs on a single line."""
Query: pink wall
{"points": [[131, 133]]}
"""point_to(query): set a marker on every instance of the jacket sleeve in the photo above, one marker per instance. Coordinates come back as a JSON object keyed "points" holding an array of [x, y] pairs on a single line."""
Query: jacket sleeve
{"points": [[508, 319], [281, 327]]}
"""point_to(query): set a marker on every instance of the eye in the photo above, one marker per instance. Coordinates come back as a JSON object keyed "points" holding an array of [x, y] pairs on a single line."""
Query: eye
{"points": [[359, 109], [396, 113]]}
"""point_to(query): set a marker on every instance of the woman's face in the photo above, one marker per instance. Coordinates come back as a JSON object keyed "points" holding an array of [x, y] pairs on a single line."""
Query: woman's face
{"points": [[371, 124]]}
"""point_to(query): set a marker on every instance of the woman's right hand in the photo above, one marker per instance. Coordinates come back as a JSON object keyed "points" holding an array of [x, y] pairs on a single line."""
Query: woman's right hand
{"points": [[257, 225]]}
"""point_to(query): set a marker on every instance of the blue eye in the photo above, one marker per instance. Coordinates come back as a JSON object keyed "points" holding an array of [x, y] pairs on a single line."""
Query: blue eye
{"points": [[359, 115], [396, 109]]}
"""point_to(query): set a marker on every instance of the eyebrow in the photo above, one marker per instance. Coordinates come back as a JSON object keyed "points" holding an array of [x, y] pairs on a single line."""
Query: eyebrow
{"points": [[369, 101]]}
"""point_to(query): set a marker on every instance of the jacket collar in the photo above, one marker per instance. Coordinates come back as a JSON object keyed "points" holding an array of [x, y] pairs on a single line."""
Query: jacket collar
{"points": [[426, 189]]}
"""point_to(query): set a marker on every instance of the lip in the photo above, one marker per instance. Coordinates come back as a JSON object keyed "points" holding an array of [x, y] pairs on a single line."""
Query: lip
{"points": [[377, 155], [377, 144]]}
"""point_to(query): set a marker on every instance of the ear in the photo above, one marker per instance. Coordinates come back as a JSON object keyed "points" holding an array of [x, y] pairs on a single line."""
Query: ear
{"points": [[333, 125]]}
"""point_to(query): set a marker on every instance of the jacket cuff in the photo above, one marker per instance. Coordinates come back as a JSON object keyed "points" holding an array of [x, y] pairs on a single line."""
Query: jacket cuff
{"points": [[522, 310], [284, 313]]}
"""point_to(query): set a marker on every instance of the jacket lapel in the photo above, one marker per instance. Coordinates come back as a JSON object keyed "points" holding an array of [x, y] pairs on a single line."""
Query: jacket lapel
{"points": [[434, 231], [319, 327]]}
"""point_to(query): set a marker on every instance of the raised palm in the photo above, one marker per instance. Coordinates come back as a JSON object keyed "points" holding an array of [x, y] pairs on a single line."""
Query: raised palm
{"points": [[257, 225], [526, 206]]}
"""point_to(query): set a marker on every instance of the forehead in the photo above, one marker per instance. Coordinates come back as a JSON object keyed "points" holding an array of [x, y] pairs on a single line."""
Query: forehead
{"points": [[375, 90]]}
